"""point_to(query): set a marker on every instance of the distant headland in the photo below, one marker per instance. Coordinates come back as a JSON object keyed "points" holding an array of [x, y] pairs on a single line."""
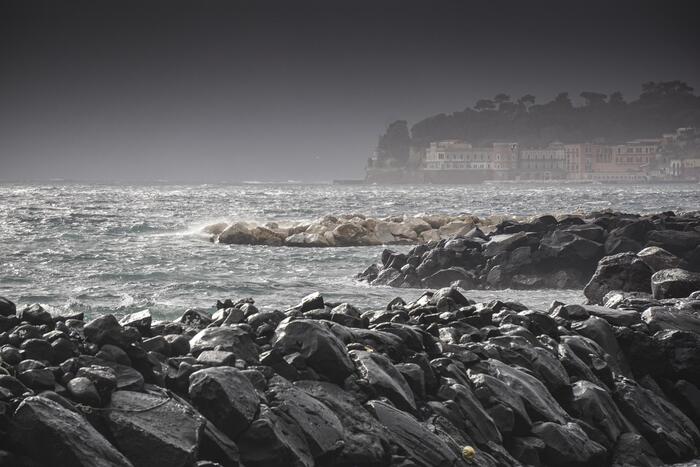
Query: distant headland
{"points": [[607, 139]]}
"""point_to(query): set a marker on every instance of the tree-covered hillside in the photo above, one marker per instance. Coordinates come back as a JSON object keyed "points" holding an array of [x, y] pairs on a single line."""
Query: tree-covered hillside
{"points": [[660, 108]]}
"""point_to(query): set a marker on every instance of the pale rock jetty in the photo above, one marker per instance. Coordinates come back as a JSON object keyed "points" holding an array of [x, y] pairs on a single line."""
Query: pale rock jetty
{"points": [[352, 230]]}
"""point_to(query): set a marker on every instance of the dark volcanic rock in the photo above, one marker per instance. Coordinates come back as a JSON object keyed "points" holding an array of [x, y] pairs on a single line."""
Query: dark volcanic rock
{"points": [[568, 445], [322, 429], [229, 338], [366, 440], [154, 430], [7, 307], [672, 435], [274, 439], [674, 283], [317, 345], [422, 445], [226, 397], [633, 449], [624, 271], [385, 380], [65, 436], [105, 330]]}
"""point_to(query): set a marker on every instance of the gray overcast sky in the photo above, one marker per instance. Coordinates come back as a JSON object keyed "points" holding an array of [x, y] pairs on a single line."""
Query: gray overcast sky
{"points": [[263, 90]]}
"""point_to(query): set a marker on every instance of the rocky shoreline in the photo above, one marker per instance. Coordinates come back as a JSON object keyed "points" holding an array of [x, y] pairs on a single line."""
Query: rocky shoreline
{"points": [[545, 252], [350, 230], [441, 381]]}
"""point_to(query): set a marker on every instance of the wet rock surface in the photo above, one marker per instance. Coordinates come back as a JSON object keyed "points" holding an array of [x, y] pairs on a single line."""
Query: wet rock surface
{"points": [[602, 251], [440, 381]]}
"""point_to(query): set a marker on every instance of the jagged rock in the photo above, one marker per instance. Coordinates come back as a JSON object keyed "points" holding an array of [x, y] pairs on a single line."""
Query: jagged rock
{"points": [[680, 352], [491, 391], [65, 436], [105, 330], [154, 430], [7, 307], [140, 320], [505, 242], [674, 283], [568, 445], [83, 391], [603, 334], [312, 341], [34, 314], [570, 247], [423, 447], [540, 404], [445, 277], [323, 430], [624, 271], [661, 318], [674, 241], [633, 450], [594, 405], [274, 439], [658, 258], [615, 317], [237, 234], [366, 440], [672, 435], [383, 378], [229, 338], [225, 397]]}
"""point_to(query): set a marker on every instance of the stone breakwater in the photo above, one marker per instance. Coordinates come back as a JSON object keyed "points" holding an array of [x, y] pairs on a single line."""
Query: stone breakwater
{"points": [[441, 381], [545, 252], [351, 230]]}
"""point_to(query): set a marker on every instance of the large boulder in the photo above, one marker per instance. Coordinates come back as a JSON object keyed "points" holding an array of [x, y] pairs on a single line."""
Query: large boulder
{"points": [[154, 430], [568, 445], [385, 380], [479, 425], [570, 247], [7, 308], [234, 339], [366, 440], [274, 439], [105, 330], [504, 242], [237, 234], [675, 241], [623, 272], [672, 435], [226, 397], [594, 405], [423, 447], [52, 434], [658, 258], [322, 429], [674, 283], [539, 402], [317, 345]]}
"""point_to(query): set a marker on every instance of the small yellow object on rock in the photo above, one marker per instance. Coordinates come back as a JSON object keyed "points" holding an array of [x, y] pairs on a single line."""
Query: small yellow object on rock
{"points": [[468, 453]]}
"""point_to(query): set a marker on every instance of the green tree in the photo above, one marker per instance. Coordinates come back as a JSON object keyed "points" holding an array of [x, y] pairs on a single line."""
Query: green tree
{"points": [[485, 104], [395, 143]]}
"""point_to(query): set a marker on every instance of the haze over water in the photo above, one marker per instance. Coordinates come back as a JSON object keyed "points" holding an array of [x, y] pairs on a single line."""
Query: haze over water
{"points": [[121, 248]]}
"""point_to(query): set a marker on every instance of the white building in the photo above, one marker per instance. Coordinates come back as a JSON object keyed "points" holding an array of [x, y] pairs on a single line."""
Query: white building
{"points": [[457, 155]]}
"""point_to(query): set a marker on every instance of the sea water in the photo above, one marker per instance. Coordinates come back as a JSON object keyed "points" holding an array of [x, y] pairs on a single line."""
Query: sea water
{"points": [[125, 247]]}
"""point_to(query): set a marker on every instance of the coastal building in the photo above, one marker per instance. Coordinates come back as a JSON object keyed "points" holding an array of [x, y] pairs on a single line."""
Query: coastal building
{"points": [[455, 161], [548, 163], [675, 156]]}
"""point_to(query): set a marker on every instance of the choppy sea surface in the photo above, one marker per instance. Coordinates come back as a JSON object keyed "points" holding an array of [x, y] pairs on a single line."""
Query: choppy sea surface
{"points": [[125, 247]]}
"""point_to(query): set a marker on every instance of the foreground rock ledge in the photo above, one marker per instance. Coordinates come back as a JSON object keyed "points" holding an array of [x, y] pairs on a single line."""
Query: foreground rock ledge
{"points": [[441, 381]]}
